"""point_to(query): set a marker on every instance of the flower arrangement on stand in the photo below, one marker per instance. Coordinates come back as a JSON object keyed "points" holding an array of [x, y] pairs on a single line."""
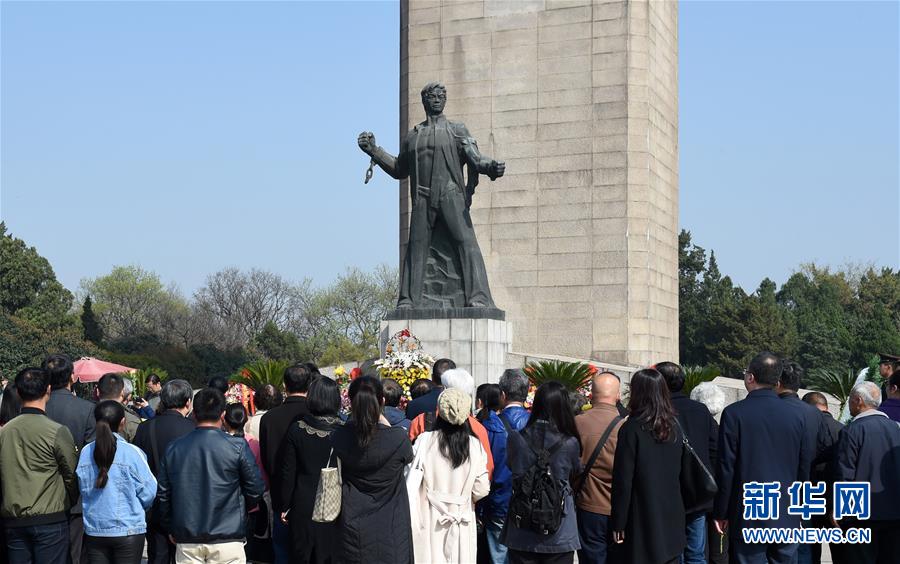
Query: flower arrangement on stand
{"points": [[404, 361], [343, 379], [243, 394]]}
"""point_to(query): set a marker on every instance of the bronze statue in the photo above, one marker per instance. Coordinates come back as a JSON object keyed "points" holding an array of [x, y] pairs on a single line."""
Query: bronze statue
{"points": [[432, 155]]}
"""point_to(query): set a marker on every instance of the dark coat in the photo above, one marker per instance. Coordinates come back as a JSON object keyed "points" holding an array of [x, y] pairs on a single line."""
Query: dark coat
{"points": [[869, 451], [826, 451], [374, 521], [423, 404], [167, 426], [77, 415], [812, 418], [565, 464], [273, 428], [207, 480], [701, 430], [306, 452], [396, 417], [761, 439], [73, 412], [646, 494]]}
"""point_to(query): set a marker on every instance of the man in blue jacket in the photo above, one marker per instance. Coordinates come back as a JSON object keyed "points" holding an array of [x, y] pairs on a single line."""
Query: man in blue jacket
{"points": [[762, 439], [869, 451], [514, 387], [207, 480]]}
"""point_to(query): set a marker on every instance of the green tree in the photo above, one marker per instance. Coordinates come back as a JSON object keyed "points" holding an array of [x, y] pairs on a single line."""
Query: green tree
{"points": [[818, 300], [877, 315], [28, 286], [129, 301], [359, 301], [91, 327], [769, 326], [691, 266], [276, 344]]}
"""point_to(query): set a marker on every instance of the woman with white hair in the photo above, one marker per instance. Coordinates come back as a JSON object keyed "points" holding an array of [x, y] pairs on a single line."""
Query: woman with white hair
{"points": [[711, 396], [455, 476]]}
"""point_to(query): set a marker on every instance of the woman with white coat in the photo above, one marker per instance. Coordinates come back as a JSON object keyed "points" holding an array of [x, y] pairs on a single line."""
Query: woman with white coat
{"points": [[454, 477]]}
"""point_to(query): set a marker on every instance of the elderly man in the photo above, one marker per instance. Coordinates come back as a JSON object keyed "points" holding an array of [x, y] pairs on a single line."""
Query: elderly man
{"points": [[598, 429], [869, 451]]}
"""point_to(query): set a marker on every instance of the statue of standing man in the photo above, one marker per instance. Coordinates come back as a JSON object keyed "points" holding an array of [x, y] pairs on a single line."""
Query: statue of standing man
{"points": [[432, 155]]}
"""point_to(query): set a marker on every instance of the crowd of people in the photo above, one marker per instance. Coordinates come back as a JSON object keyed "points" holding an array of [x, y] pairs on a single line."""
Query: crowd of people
{"points": [[192, 478]]}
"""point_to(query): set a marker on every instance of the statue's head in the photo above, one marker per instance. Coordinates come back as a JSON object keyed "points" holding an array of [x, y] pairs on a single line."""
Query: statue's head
{"points": [[434, 98]]}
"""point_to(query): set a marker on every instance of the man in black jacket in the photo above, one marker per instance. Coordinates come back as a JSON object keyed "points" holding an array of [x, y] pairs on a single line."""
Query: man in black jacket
{"points": [[787, 388], [761, 439], [700, 428], [77, 415], [205, 511], [823, 465], [869, 451], [153, 437], [273, 428]]}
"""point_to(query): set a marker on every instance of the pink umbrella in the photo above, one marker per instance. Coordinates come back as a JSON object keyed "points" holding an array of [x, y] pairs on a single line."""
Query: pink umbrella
{"points": [[89, 369]]}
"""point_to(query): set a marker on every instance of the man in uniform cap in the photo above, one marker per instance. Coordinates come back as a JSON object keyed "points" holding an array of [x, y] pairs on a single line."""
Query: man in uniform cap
{"points": [[887, 364]]}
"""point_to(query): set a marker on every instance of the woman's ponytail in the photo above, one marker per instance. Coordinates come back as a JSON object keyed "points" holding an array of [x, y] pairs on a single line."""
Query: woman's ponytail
{"points": [[109, 415]]}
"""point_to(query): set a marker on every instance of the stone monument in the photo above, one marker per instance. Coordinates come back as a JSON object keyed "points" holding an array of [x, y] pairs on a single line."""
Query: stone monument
{"points": [[444, 296], [580, 238]]}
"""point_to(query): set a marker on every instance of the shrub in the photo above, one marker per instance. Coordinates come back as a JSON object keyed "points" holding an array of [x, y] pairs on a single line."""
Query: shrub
{"points": [[262, 372], [575, 376]]}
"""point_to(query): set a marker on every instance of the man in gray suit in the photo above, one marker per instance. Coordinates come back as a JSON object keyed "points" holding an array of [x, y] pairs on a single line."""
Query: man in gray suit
{"points": [[432, 156], [77, 415]]}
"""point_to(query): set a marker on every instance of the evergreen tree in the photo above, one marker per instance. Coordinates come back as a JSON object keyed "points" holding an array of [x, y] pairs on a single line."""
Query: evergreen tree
{"points": [[691, 266], [276, 344], [93, 332]]}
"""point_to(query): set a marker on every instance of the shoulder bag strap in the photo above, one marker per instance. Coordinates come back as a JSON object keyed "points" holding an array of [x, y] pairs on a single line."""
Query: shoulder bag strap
{"points": [[687, 446], [506, 425], [594, 455]]}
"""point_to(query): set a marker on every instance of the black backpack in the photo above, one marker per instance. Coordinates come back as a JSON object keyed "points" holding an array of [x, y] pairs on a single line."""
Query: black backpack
{"points": [[537, 497]]}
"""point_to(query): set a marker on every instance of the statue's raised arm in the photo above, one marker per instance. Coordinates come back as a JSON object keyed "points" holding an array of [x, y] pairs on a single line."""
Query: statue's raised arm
{"points": [[388, 162]]}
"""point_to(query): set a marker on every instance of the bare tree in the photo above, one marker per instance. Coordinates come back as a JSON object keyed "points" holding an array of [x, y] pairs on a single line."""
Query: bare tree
{"points": [[245, 301]]}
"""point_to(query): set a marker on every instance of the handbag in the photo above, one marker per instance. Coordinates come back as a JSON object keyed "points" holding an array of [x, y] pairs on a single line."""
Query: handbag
{"points": [[698, 486], [415, 475], [327, 505]]}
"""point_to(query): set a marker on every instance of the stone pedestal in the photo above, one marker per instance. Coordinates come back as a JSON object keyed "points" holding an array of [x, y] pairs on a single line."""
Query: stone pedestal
{"points": [[479, 345]]}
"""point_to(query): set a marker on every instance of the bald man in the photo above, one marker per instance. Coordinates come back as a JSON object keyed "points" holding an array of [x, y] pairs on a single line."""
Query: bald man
{"points": [[598, 427]]}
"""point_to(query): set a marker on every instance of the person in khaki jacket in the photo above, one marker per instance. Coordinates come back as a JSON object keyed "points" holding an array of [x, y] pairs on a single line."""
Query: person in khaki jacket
{"points": [[38, 462], [600, 424]]}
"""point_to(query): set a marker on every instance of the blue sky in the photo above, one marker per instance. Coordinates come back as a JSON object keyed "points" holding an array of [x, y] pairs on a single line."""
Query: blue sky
{"points": [[188, 137]]}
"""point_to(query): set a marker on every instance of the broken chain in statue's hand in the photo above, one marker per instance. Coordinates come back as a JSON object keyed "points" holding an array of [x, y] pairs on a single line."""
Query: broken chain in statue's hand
{"points": [[370, 171]]}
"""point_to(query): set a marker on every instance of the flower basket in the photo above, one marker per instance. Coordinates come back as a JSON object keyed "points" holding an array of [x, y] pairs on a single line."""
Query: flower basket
{"points": [[404, 361]]}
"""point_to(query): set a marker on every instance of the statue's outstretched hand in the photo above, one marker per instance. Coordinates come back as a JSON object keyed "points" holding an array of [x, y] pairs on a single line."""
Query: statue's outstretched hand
{"points": [[496, 169], [366, 142]]}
